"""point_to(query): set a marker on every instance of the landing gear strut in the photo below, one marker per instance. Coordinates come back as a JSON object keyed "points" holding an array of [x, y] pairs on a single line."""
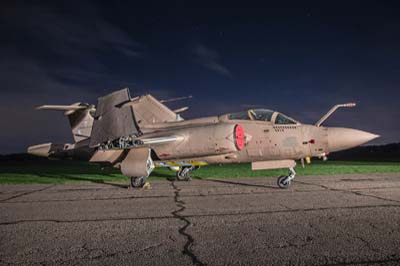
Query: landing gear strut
{"points": [[184, 173], [138, 181], [284, 181]]}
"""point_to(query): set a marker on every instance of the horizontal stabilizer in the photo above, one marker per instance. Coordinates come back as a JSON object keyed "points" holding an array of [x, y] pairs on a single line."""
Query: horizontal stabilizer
{"points": [[79, 116], [68, 109], [61, 107]]}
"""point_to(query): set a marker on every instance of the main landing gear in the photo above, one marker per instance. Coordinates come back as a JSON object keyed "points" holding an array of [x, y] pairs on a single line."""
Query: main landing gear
{"points": [[138, 181], [284, 181], [184, 172]]}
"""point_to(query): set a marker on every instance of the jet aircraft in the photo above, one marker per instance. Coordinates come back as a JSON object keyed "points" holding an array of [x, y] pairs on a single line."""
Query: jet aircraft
{"points": [[135, 134]]}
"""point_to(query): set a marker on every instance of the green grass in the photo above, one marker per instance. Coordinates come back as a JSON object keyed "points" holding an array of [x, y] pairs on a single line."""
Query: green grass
{"points": [[49, 172]]}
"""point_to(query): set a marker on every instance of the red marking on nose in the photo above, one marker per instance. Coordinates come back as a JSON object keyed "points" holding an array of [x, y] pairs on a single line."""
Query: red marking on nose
{"points": [[312, 141], [239, 137]]}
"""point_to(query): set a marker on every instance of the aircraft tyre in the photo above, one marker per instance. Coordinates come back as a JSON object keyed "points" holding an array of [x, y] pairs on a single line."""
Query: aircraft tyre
{"points": [[283, 181], [183, 174], [138, 181]]}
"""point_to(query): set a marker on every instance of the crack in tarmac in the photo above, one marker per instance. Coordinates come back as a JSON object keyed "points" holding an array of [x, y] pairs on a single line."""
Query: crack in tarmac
{"points": [[354, 190], [27, 193], [87, 199], [347, 191], [88, 256], [367, 244], [155, 196], [91, 254], [187, 250], [365, 262], [202, 215]]}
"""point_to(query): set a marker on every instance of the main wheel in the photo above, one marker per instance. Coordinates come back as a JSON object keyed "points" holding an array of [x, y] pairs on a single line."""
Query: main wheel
{"points": [[283, 181], [183, 174], [138, 181]]}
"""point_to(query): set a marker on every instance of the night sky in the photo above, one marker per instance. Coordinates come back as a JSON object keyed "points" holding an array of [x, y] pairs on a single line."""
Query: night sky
{"points": [[299, 60]]}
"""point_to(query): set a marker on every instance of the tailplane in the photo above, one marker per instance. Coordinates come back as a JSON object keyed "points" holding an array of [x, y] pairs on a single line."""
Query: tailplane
{"points": [[79, 116]]}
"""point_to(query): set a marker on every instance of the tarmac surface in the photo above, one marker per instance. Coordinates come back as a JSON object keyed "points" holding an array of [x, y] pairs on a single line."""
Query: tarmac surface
{"points": [[320, 220]]}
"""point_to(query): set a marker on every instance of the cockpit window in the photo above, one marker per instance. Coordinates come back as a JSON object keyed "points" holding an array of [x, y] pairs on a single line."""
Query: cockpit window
{"points": [[283, 120], [239, 116], [262, 114]]}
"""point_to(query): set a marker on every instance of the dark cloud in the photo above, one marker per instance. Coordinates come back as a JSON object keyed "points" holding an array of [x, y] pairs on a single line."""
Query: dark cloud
{"points": [[210, 59], [64, 33], [61, 42]]}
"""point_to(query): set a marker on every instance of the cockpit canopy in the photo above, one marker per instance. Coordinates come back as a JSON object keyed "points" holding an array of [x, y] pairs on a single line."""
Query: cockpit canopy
{"points": [[263, 115]]}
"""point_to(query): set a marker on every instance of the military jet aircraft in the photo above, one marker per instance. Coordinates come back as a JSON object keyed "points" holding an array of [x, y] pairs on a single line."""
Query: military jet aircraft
{"points": [[135, 134]]}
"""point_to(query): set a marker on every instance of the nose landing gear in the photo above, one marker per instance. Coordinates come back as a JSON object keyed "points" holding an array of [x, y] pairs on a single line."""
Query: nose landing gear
{"points": [[284, 181]]}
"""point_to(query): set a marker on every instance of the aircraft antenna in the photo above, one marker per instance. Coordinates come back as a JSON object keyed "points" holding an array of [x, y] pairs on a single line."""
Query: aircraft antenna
{"points": [[176, 99]]}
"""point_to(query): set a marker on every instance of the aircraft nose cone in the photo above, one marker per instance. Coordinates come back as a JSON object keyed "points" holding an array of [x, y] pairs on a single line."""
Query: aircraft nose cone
{"points": [[346, 138]]}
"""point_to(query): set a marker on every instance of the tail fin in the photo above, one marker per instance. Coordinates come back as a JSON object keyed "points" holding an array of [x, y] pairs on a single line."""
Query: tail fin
{"points": [[79, 116]]}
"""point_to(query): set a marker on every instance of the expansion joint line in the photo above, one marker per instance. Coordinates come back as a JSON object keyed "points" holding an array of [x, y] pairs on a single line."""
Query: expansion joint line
{"points": [[27, 193], [187, 249], [357, 193]]}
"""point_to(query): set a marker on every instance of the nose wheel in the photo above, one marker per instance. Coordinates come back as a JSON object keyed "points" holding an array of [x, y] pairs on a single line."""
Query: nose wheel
{"points": [[284, 181]]}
